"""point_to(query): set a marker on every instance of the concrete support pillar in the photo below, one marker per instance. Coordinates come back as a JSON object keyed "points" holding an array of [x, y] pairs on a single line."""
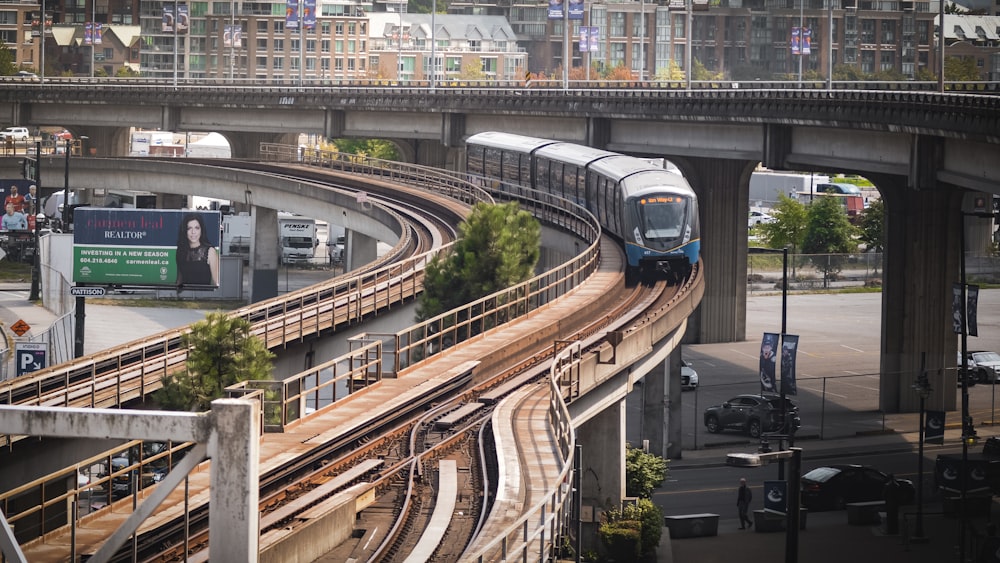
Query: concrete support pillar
{"points": [[603, 441], [359, 250], [336, 122], [661, 408], [453, 129], [264, 254], [432, 153], [598, 132], [247, 145], [234, 447], [105, 140], [921, 264], [721, 317]]}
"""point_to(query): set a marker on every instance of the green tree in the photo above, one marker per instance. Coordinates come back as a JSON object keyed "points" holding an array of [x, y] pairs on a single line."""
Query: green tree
{"points": [[789, 225], [221, 351], [632, 533], [829, 235], [473, 70], [847, 72], [126, 72], [673, 72], [871, 229], [643, 472], [699, 72], [961, 69], [498, 247], [375, 148], [7, 64]]}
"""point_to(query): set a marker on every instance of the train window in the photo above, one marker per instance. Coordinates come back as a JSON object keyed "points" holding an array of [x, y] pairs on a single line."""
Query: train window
{"points": [[542, 166], [662, 217]]}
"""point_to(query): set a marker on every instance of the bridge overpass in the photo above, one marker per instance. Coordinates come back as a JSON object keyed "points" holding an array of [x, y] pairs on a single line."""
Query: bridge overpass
{"points": [[928, 153], [648, 340]]}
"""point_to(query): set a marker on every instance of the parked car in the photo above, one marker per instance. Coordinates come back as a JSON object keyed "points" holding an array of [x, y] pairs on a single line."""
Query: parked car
{"points": [[833, 486], [27, 75], [985, 366], [758, 217], [63, 135], [969, 372], [689, 377], [15, 134], [753, 414]]}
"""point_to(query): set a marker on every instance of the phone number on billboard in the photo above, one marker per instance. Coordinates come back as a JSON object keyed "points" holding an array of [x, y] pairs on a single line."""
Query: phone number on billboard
{"points": [[98, 260]]}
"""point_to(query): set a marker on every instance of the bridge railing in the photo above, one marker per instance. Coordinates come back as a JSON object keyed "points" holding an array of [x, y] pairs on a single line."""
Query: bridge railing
{"points": [[540, 528], [449, 184], [432, 336]]}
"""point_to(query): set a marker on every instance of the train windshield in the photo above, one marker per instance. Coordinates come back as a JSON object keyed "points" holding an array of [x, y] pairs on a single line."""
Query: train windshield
{"points": [[662, 217]]}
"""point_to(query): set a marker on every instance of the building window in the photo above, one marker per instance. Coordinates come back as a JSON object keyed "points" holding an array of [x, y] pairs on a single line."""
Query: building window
{"points": [[453, 65], [262, 43], [888, 32], [339, 28], [888, 61], [868, 32], [617, 24], [490, 66], [279, 45], [475, 45], [278, 63], [617, 55], [262, 26]]}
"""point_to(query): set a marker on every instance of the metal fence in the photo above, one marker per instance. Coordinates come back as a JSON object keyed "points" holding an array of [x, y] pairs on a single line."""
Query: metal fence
{"points": [[842, 271]]}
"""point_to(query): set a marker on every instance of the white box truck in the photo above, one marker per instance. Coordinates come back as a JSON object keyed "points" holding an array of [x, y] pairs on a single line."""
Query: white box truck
{"points": [[296, 238], [236, 233]]}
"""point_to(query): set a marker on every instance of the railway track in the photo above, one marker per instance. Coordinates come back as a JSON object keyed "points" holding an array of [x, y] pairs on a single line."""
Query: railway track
{"points": [[395, 457], [133, 370]]}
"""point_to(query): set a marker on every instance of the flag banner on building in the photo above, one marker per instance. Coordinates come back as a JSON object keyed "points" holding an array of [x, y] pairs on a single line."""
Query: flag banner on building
{"points": [[795, 41], [168, 19], [238, 36], [555, 9], [806, 41], [589, 38], [934, 427], [595, 39], [775, 496], [309, 14], [576, 9], [88, 33], [227, 36], [98, 32], [972, 304], [768, 349], [183, 20], [956, 308], [292, 14], [789, 346]]}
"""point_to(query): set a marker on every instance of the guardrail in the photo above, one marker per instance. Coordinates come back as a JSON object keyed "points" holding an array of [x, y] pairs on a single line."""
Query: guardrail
{"points": [[541, 526]]}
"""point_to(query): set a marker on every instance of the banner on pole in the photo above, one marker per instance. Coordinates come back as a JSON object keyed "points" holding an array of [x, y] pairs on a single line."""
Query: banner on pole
{"points": [[934, 427], [768, 356], [789, 348]]}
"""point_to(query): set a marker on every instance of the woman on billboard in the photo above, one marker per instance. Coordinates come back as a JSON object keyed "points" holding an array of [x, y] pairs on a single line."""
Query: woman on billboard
{"points": [[197, 259]]}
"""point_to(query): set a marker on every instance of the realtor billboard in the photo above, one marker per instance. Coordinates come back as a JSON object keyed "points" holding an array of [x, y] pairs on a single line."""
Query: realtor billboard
{"points": [[146, 247]]}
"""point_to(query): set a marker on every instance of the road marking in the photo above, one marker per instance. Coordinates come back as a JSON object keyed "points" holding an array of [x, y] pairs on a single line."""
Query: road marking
{"points": [[855, 349]]}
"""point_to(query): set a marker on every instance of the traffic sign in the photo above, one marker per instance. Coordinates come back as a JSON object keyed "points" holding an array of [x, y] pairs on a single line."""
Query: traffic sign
{"points": [[20, 327], [30, 356], [86, 291]]}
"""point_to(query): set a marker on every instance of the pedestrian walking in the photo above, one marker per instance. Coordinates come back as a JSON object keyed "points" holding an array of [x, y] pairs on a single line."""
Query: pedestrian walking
{"points": [[743, 498]]}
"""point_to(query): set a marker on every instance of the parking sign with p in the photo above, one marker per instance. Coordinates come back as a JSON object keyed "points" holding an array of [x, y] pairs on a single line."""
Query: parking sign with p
{"points": [[30, 357]]}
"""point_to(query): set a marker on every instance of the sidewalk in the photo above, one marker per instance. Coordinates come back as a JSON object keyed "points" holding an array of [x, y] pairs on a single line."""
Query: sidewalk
{"points": [[828, 538]]}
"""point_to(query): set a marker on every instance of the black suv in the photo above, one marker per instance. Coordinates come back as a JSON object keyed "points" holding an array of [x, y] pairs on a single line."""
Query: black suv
{"points": [[753, 414]]}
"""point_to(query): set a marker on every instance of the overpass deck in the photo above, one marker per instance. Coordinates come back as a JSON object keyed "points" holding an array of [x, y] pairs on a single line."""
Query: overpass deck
{"points": [[362, 409]]}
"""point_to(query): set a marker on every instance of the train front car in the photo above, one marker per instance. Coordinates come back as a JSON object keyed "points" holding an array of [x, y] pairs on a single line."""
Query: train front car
{"points": [[662, 233]]}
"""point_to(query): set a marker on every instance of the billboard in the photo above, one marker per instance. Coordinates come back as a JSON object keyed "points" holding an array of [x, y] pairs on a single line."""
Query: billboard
{"points": [[146, 247]]}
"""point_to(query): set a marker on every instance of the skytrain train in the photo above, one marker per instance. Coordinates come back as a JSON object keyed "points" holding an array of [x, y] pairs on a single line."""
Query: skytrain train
{"points": [[652, 211]]}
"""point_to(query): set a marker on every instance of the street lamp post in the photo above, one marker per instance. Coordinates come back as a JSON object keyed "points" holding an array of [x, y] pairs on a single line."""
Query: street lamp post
{"points": [[36, 264], [792, 509], [784, 326], [923, 389]]}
